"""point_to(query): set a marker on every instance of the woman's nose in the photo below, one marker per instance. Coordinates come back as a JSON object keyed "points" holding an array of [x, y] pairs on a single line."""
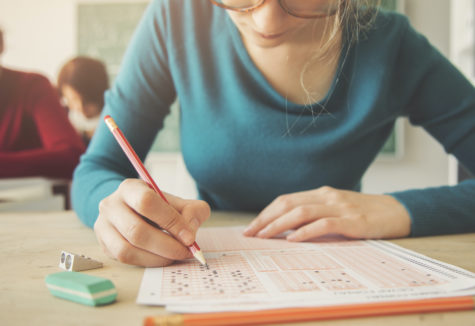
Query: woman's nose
{"points": [[269, 17]]}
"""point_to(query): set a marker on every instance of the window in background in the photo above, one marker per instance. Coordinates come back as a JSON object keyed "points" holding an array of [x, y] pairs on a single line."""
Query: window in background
{"points": [[104, 31], [462, 54]]}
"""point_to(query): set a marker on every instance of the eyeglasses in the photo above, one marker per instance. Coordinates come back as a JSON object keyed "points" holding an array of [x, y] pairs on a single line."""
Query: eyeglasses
{"points": [[297, 8]]}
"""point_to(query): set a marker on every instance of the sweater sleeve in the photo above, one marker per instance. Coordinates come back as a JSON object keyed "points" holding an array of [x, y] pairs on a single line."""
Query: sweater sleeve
{"points": [[61, 146], [139, 101], [442, 101]]}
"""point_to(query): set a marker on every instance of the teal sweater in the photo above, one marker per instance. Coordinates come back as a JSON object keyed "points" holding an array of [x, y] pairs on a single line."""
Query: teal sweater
{"points": [[245, 144]]}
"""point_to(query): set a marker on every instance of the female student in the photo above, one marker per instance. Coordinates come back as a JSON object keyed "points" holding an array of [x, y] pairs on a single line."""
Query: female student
{"points": [[284, 105], [36, 137], [82, 82]]}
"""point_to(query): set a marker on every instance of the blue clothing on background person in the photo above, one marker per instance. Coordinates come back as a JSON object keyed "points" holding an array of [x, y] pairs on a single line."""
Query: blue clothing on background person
{"points": [[245, 144]]}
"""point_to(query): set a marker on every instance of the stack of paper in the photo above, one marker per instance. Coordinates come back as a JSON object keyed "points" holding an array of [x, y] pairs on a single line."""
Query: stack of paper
{"points": [[251, 274]]}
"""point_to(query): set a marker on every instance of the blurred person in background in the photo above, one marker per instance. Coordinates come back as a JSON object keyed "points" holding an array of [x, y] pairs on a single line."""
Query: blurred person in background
{"points": [[36, 137], [82, 82]]}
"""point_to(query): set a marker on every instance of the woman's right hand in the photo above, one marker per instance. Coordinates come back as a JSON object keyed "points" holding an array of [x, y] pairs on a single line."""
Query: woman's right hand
{"points": [[126, 236]]}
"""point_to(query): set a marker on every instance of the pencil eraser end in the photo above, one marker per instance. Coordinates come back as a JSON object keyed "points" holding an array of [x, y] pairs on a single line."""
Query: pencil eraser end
{"points": [[81, 288]]}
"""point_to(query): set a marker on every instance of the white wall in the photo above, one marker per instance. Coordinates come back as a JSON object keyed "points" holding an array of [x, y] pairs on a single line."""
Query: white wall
{"points": [[424, 162], [41, 35]]}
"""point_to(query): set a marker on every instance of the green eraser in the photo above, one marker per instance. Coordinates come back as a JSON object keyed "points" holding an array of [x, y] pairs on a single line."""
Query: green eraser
{"points": [[81, 288]]}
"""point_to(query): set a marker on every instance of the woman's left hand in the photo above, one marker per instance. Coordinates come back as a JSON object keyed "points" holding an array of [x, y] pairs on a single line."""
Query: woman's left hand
{"points": [[327, 210]]}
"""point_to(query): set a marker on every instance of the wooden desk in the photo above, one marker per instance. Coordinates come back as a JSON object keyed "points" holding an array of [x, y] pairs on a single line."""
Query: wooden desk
{"points": [[30, 246]]}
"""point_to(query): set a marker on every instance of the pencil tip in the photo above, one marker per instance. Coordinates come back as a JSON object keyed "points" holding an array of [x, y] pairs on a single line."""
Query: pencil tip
{"points": [[200, 257]]}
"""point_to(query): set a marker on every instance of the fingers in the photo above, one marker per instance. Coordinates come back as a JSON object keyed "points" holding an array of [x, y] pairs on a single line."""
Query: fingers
{"points": [[195, 212], [280, 206], [126, 235], [142, 235], [116, 247], [314, 213], [143, 200], [330, 225], [298, 216]]}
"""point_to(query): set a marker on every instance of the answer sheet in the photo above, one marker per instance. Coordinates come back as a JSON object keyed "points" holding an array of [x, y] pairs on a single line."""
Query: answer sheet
{"points": [[250, 273]]}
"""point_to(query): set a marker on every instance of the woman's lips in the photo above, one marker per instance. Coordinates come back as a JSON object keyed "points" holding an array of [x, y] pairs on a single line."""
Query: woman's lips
{"points": [[269, 36]]}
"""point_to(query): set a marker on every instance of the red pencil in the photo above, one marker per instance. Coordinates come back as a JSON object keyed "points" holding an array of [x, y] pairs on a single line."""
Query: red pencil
{"points": [[306, 314], [143, 173]]}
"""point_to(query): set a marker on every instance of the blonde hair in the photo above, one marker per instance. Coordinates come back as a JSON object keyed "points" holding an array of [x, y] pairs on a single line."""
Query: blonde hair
{"points": [[1, 41], [356, 17], [352, 19]]}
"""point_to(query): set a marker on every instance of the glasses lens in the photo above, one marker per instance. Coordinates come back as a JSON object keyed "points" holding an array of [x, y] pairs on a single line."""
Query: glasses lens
{"points": [[310, 7], [238, 4]]}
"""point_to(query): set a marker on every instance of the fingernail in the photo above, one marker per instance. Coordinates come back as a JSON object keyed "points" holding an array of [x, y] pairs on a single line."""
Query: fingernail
{"points": [[292, 237], [247, 229], [194, 223], [262, 233], [185, 236]]}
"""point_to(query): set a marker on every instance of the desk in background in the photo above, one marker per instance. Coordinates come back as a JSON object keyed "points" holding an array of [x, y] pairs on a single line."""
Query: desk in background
{"points": [[31, 243], [34, 194]]}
